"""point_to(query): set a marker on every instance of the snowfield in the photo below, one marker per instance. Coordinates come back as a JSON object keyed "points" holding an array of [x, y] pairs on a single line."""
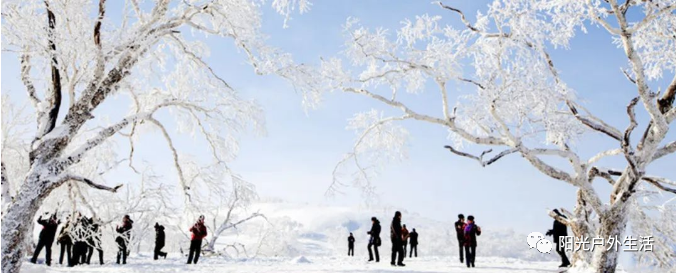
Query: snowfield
{"points": [[307, 265]]}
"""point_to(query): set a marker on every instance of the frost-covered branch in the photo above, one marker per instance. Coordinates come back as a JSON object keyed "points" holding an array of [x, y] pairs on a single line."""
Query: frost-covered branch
{"points": [[595, 124], [47, 119], [174, 153], [89, 182], [670, 148], [666, 102], [480, 158]]}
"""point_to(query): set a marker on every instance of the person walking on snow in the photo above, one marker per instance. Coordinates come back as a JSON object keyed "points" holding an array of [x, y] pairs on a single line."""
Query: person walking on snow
{"points": [[374, 240], [460, 233], [350, 245], [46, 239], [414, 243], [159, 241], [123, 239], [397, 240], [471, 231], [560, 230], [199, 231]]}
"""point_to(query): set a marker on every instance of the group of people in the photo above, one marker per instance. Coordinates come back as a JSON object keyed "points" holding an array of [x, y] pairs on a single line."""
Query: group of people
{"points": [[80, 236], [78, 239], [466, 232], [399, 235], [83, 234]]}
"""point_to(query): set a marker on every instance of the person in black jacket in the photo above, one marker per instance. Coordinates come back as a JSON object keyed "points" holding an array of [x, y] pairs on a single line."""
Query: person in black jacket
{"points": [[46, 239], [460, 233], [65, 241], [471, 231], [560, 230], [397, 240], [350, 245], [94, 240], [414, 243], [374, 240], [159, 241], [123, 239]]}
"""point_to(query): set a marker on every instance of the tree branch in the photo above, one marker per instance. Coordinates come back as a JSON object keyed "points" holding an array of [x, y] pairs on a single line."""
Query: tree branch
{"points": [[657, 182], [667, 149], [667, 100], [654, 180], [55, 99], [650, 17], [462, 17], [626, 141], [480, 158], [25, 78], [90, 183], [600, 126], [175, 156]]}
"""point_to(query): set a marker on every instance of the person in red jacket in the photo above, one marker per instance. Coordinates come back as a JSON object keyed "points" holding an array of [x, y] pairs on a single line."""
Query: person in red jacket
{"points": [[199, 231]]}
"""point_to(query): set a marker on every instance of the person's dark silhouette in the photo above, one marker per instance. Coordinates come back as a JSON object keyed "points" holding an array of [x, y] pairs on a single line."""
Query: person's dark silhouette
{"points": [[414, 243], [46, 239], [350, 245], [471, 231], [159, 241], [460, 233], [199, 231], [374, 241], [397, 240], [560, 230], [123, 239]]}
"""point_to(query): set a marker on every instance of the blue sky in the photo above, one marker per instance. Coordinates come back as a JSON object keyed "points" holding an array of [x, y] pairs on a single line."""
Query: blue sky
{"points": [[295, 159]]}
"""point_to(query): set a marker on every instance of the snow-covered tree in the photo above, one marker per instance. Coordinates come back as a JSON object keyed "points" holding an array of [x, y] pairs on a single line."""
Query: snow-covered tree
{"points": [[520, 105], [75, 57]]}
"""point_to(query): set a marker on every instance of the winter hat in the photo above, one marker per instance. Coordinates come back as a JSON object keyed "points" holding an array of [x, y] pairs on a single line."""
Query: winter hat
{"points": [[559, 213], [471, 218], [460, 216], [374, 218]]}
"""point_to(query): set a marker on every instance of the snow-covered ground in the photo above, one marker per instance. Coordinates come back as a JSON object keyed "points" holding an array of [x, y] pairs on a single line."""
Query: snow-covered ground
{"points": [[313, 238], [308, 265]]}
